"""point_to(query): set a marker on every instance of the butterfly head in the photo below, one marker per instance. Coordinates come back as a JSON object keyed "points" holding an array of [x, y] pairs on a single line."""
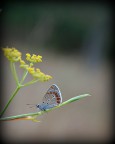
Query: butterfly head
{"points": [[42, 106], [37, 105]]}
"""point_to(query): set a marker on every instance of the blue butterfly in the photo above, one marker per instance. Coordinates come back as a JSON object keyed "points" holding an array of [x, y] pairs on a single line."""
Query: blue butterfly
{"points": [[51, 99]]}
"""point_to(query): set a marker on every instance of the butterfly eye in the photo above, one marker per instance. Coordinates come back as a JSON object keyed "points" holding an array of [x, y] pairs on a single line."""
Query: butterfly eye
{"points": [[37, 105]]}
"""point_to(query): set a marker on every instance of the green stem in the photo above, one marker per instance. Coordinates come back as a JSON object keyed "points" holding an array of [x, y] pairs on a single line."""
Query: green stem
{"points": [[13, 95], [31, 82], [24, 76], [42, 112], [14, 72]]}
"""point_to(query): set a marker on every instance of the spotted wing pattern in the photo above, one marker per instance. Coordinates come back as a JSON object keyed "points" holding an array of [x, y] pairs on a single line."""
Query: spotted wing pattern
{"points": [[53, 96], [51, 99]]}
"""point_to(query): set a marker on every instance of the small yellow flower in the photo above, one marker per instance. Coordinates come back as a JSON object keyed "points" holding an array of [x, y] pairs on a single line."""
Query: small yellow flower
{"points": [[31, 64], [34, 58], [38, 74], [12, 54], [31, 70], [28, 55], [22, 62], [47, 77], [37, 70]]}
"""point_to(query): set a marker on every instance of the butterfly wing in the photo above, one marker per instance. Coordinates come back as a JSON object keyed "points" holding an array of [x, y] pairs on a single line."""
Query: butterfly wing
{"points": [[52, 96]]}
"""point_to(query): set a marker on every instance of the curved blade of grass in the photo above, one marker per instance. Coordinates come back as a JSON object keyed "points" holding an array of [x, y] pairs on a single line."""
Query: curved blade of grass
{"points": [[32, 116]]}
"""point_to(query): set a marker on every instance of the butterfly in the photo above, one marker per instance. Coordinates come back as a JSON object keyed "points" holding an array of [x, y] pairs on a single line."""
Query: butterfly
{"points": [[51, 99]]}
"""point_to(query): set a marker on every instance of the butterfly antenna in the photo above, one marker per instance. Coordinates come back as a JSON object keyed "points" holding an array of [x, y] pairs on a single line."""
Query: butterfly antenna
{"points": [[33, 105], [30, 104]]}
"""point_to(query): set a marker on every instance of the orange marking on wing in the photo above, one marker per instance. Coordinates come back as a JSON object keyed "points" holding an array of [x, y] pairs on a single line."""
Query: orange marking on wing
{"points": [[58, 102], [58, 98], [57, 95]]}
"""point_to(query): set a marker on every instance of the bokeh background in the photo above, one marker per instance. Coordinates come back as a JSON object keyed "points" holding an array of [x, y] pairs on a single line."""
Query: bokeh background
{"points": [[75, 42]]}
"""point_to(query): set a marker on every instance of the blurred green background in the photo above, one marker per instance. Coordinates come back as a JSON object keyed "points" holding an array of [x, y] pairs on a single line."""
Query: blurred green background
{"points": [[75, 42]]}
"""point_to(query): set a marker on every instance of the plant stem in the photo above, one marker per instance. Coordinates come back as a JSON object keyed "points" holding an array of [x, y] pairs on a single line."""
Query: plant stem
{"points": [[14, 72], [24, 76], [31, 82], [13, 95], [42, 112]]}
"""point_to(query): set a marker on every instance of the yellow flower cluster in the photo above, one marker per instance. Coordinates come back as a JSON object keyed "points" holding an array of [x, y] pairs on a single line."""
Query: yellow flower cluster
{"points": [[34, 58], [14, 55], [36, 73]]}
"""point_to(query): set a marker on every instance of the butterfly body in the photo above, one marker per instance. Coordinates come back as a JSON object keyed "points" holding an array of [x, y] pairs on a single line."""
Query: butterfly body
{"points": [[51, 99], [44, 107]]}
